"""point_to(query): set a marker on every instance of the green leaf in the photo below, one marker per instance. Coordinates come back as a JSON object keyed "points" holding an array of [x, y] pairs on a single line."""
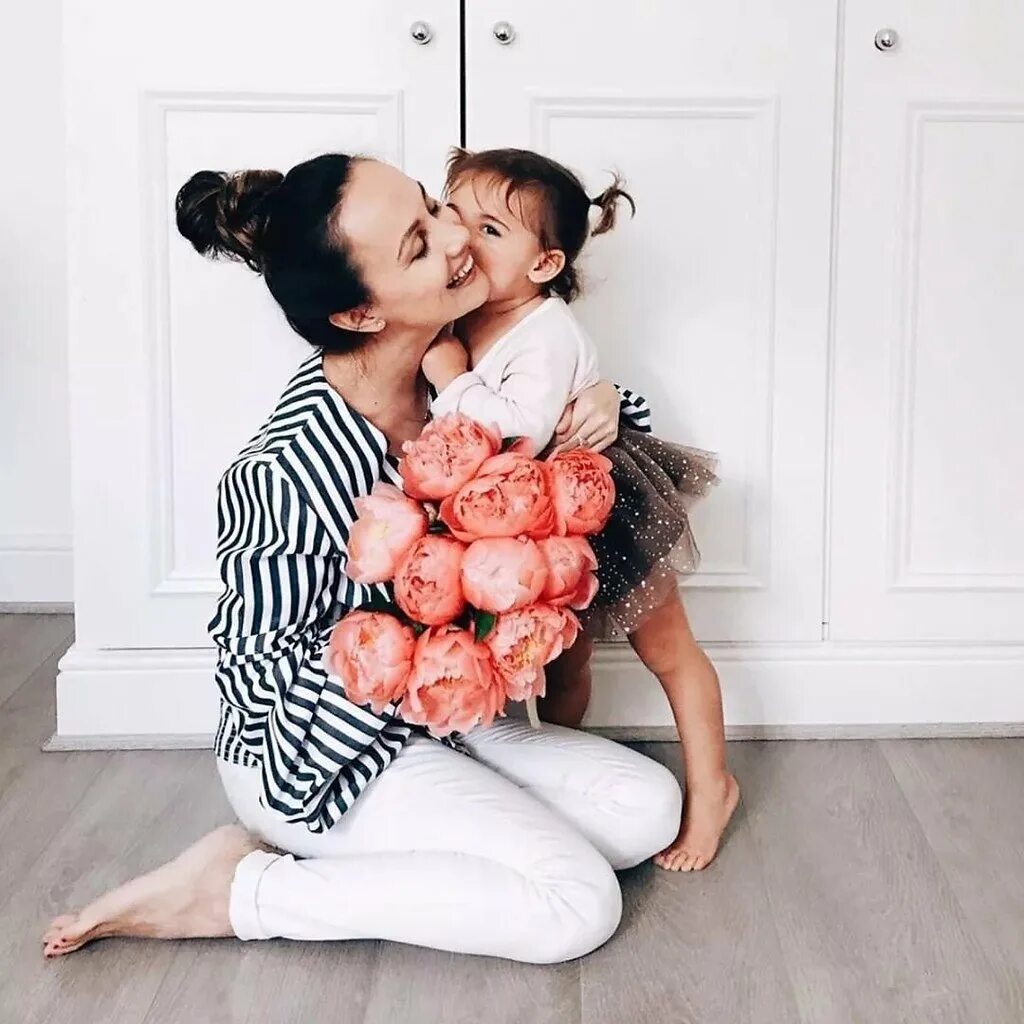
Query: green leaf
{"points": [[484, 624]]}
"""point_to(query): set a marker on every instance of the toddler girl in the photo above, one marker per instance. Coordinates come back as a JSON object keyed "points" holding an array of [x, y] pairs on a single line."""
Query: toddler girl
{"points": [[517, 361]]}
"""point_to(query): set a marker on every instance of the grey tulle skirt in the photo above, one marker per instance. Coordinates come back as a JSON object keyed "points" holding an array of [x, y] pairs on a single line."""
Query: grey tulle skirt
{"points": [[648, 542]]}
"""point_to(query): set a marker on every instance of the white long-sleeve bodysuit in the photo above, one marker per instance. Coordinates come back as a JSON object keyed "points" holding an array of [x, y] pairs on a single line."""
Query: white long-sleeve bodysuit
{"points": [[525, 380]]}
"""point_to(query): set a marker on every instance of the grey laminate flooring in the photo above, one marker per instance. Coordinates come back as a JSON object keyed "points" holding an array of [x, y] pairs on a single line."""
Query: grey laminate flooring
{"points": [[861, 881]]}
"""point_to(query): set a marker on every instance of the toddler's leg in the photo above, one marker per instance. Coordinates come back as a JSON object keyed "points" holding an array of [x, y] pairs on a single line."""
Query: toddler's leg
{"points": [[667, 647], [568, 685]]}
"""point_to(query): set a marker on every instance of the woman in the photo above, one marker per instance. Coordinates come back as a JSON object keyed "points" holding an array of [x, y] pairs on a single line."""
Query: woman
{"points": [[509, 852]]}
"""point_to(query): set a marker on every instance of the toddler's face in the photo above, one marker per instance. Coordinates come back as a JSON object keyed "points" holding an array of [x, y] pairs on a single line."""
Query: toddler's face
{"points": [[504, 248]]}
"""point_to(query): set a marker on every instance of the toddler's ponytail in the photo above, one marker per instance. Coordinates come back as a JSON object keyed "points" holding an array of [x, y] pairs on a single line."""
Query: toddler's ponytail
{"points": [[607, 202]]}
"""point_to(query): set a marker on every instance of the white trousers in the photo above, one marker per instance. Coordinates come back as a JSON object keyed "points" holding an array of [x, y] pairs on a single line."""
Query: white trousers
{"points": [[512, 855]]}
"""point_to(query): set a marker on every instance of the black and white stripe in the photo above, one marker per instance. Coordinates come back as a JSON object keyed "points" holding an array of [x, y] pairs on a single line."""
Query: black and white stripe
{"points": [[285, 508], [634, 409]]}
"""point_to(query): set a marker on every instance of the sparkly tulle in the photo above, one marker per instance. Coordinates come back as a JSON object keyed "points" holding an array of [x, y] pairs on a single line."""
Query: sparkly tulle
{"points": [[648, 542]]}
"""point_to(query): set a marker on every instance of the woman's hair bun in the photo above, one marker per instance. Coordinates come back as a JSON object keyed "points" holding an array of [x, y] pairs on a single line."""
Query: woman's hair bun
{"points": [[226, 214]]}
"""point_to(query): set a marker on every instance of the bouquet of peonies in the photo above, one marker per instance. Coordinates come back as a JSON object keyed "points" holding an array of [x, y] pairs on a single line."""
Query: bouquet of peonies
{"points": [[487, 553]]}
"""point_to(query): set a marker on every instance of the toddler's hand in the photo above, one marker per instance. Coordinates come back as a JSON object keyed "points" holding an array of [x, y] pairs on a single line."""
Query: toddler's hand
{"points": [[445, 360]]}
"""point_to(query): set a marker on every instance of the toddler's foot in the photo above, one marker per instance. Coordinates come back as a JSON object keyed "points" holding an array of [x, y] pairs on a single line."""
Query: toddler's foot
{"points": [[705, 816]]}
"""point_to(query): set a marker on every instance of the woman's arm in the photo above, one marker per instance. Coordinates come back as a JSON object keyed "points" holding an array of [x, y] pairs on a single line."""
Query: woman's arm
{"points": [[280, 567], [633, 408], [593, 420]]}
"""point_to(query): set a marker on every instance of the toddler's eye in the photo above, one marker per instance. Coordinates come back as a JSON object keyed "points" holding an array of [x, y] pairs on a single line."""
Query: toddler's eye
{"points": [[493, 232]]}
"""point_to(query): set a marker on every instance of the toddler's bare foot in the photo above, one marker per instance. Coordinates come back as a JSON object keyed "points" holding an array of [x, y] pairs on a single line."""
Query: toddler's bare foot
{"points": [[185, 898], [705, 816]]}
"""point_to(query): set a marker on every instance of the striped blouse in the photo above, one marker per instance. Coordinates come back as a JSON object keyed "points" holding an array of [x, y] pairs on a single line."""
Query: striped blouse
{"points": [[285, 508]]}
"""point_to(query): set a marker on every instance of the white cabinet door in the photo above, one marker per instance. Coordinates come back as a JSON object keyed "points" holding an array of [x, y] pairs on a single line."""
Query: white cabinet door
{"points": [[713, 302], [176, 360], [927, 528]]}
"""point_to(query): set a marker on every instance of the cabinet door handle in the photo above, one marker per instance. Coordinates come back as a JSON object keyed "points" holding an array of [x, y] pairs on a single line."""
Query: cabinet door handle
{"points": [[886, 39], [503, 32], [421, 32]]}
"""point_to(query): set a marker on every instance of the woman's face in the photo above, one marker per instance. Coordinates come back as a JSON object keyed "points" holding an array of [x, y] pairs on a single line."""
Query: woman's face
{"points": [[413, 252]]}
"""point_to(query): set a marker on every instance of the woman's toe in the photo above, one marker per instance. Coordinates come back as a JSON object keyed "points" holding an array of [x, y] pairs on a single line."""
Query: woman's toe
{"points": [[59, 928], [66, 934]]}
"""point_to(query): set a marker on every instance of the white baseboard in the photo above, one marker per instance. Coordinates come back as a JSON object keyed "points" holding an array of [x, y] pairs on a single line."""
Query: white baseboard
{"points": [[37, 608], [828, 685], [35, 570], [161, 698]]}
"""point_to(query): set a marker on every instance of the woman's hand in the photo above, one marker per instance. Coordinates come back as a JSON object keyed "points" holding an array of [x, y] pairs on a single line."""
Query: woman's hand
{"points": [[592, 421], [445, 360]]}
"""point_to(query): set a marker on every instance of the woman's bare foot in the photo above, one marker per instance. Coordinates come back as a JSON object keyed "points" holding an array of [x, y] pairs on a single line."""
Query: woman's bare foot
{"points": [[705, 816], [185, 898]]}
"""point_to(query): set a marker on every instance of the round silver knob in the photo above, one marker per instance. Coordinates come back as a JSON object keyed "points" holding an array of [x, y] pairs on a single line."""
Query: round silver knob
{"points": [[886, 39], [504, 32], [421, 32]]}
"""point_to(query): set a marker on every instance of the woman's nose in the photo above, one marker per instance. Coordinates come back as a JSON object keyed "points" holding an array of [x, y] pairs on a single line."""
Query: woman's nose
{"points": [[448, 215], [456, 237]]}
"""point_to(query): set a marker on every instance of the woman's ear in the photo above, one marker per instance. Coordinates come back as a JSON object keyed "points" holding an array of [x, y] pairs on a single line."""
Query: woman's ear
{"points": [[360, 319], [547, 267]]}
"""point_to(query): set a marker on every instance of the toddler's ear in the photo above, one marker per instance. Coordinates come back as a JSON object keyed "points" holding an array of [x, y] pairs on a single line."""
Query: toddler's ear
{"points": [[547, 266]]}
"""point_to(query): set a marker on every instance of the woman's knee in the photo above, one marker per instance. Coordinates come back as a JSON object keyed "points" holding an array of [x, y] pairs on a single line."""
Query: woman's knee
{"points": [[656, 805], [586, 911]]}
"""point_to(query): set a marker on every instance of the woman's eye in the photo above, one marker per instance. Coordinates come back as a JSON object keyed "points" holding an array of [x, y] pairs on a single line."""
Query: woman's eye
{"points": [[425, 251]]}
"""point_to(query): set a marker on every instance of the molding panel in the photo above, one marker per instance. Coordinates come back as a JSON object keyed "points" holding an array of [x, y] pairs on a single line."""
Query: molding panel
{"points": [[934, 222], [183, 412], [745, 139]]}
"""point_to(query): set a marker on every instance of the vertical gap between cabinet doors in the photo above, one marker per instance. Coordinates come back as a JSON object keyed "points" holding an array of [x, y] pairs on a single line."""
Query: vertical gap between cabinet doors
{"points": [[830, 341], [462, 73]]}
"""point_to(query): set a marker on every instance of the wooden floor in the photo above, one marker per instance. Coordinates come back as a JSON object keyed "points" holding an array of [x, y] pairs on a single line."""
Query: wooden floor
{"points": [[875, 882]]}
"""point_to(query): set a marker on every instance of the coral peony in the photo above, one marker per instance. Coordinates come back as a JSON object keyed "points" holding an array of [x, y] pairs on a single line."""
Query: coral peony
{"points": [[446, 455], [427, 586], [582, 491], [453, 686], [571, 563], [503, 573], [371, 653], [389, 524], [510, 496], [522, 642]]}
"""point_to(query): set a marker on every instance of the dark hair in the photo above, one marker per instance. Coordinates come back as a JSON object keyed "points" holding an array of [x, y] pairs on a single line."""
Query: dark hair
{"points": [[282, 226], [560, 215]]}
